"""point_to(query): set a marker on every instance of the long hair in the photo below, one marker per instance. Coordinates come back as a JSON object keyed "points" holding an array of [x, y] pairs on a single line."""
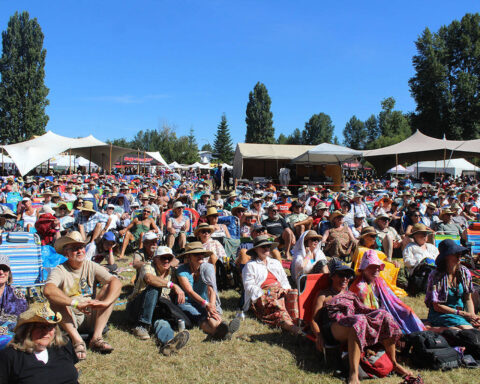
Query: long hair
{"points": [[22, 341]]}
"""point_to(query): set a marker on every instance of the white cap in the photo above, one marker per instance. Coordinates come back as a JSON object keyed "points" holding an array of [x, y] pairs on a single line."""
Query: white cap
{"points": [[111, 206], [150, 236], [163, 250], [26, 199], [47, 209]]}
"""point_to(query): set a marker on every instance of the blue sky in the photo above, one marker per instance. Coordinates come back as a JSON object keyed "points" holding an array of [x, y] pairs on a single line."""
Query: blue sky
{"points": [[115, 67]]}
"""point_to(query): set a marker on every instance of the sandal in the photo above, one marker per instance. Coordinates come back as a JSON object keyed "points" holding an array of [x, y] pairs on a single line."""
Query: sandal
{"points": [[410, 379], [100, 345], [80, 350]]}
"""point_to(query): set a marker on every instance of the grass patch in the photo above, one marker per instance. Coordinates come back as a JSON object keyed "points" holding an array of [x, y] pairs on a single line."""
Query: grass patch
{"points": [[257, 354]]}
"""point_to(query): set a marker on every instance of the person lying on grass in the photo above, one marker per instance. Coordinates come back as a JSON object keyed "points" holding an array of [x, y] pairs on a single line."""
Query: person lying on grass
{"points": [[71, 290], [202, 303], [339, 317], [153, 302]]}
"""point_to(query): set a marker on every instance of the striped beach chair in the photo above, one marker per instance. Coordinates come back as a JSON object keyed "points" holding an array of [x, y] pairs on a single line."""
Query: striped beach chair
{"points": [[25, 254]]}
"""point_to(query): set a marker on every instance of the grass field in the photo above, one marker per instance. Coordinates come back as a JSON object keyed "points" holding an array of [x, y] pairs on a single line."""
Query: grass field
{"points": [[257, 354]]}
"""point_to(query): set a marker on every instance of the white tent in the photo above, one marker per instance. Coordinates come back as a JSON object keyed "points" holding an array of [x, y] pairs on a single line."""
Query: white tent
{"points": [[326, 153], [198, 165], [157, 156], [399, 170], [29, 154], [453, 167], [6, 159], [66, 161], [225, 165]]}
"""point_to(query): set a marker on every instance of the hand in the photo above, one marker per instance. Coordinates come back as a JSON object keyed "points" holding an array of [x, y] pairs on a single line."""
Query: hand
{"points": [[212, 311], [84, 306], [171, 231], [184, 227], [98, 304], [122, 232], [180, 294]]}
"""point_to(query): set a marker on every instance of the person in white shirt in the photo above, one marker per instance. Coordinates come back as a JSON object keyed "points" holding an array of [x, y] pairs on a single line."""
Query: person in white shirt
{"points": [[419, 249], [68, 196], [113, 218]]}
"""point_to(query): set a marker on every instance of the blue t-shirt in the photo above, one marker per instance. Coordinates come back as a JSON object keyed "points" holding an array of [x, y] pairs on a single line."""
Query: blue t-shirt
{"points": [[199, 286]]}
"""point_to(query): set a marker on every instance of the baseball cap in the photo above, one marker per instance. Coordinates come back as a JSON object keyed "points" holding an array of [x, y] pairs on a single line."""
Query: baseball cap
{"points": [[109, 236], [150, 235], [163, 250]]}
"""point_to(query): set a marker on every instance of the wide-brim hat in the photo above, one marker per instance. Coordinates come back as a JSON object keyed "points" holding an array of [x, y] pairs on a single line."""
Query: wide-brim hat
{"points": [[70, 238], [178, 204], [382, 216], [419, 228], [447, 211], [449, 247], [7, 212], [195, 247], [370, 257], [321, 206], [39, 312], [312, 235], [87, 206], [334, 215], [232, 194], [238, 208], [212, 211], [260, 241], [368, 231], [202, 227]]}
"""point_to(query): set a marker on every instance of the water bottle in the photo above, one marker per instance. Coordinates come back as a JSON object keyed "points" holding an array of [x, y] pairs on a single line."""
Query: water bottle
{"points": [[181, 325]]}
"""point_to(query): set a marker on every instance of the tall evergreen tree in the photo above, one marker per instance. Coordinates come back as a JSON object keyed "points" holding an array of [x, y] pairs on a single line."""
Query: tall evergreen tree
{"points": [[319, 129], [355, 133], [222, 145], [371, 127], [282, 139], [447, 80], [207, 147], [259, 117], [296, 137], [23, 94]]}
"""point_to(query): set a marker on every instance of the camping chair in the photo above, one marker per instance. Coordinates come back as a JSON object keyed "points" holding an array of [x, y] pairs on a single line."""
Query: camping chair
{"points": [[308, 288], [25, 254], [439, 237], [232, 224]]}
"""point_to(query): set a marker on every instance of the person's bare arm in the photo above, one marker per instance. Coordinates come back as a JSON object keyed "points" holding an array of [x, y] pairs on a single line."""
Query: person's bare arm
{"points": [[158, 282], [227, 233], [113, 291], [325, 236], [154, 226]]}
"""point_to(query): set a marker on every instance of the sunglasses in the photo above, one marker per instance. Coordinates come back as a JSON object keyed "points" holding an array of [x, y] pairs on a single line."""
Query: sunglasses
{"points": [[204, 231], [416, 215], [147, 211], [4, 268], [166, 258], [344, 275], [265, 247]]}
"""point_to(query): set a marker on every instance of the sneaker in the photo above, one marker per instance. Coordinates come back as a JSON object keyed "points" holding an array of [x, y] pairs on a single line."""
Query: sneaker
{"points": [[221, 331], [234, 325], [141, 333], [177, 343]]}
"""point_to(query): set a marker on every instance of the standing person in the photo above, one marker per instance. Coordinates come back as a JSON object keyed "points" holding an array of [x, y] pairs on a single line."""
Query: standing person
{"points": [[71, 289]]}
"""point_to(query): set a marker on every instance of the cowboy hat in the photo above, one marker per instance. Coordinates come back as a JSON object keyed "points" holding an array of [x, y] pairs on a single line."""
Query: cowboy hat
{"points": [[382, 216], [70, 238], [260, 241], [212, 211], [8, 212], [447, 211], [419, 228], [87, 206], [38, 312], [312, 235], [195, 247], [237, 208], [202, 227], [368, 231], [178, 204]]}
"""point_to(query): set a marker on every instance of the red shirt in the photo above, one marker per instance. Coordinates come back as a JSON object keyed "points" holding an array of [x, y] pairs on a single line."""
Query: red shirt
{"points": [[270, 280]]}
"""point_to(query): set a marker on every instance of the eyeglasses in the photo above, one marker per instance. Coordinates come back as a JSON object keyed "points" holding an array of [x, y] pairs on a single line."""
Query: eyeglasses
{"points": [[415, 215], [344, 275], [44, 326], [314, 240]]}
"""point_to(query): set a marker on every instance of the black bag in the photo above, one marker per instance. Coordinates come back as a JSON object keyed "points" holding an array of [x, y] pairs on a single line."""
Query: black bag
{"points": [[417, 282], [468, 338], [166, 310], [430, 350]]}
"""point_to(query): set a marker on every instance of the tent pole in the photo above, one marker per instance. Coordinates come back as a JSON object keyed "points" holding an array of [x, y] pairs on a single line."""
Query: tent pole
{"points": [[144, 165], [444, 166], [138, 161], [90, 161], [110, 168], [396, 165]]}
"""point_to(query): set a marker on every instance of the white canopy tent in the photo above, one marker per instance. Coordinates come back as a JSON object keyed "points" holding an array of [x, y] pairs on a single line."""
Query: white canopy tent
{"points": [[225, 165], [198, 165], [327, 153], [29, 154], [66, 161], [399, 170], [158, 157], [454, 167]]}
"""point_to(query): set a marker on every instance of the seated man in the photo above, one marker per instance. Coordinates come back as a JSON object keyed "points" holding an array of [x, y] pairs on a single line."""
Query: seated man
{"points": [[154, 287], [387, 235], [90, 222], [298, 220], [278, 228], [71, 290], [284, 206]]}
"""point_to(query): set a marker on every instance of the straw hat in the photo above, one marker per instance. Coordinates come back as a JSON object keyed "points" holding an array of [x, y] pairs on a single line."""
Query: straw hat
{"points": [[195, 247], [311, 235], [202, 227], [178, 204], [334, 215], [7, 212], [368, 231], [212, 211], [238, 208], [87, 206], [260, 241], [382, 216], [70, 238], [38, 312], [232, 194], [447, 211], [419, 228]]}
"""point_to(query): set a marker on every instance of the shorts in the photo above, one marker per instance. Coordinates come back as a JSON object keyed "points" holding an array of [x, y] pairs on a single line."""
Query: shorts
{"points": [[85, 323]]}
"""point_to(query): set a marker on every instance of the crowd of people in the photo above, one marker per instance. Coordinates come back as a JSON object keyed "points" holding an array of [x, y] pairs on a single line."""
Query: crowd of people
{"points": [[186, 242]]}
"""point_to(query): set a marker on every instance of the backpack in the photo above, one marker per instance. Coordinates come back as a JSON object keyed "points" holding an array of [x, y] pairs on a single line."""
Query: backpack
{"points": [[468, 338], [417, 282], [430, 350], [375, 366]]}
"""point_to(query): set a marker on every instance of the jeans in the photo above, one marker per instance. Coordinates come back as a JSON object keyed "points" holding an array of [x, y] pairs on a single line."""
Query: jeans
{"points": [[140, 309], [196, 313], [163, 331]]}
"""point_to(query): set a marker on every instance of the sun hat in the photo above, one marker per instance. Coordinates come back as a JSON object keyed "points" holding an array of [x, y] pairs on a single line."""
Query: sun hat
{"points": [[135, 205], [144, 196], [370, 257], [38, 312], [321, 206], [334, 215], [368, 231], [47, 192], [109, 236], [312, 235], [163, 250], [202, 227], [61, 204], [149, 236], [87, 206], [8, 212], [70, 238], [212, 211], [178, 204], [446, 211], [5, 260], [382, 216], [195, 247], [232, 194], [260, 241], [111, 206], [419, 228], [26, 199], [432, 205], [448, 247], [238, 208], [336, 265]]}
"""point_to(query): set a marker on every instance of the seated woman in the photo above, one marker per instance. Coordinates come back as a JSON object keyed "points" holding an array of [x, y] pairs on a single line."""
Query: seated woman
{"points": [[178, 226], [374, 293], [449, 290], [308, 256], [38, 353], [418, 250], [8, 221], [202, 303], [219, 230], [368, 240], [339, 240], [12, 302], [266, 286], [64, 217], [203, 233], [340, 317]]}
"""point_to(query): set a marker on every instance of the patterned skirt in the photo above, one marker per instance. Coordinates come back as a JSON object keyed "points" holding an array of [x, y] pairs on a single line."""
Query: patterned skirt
{"points": [[277, 306]]}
